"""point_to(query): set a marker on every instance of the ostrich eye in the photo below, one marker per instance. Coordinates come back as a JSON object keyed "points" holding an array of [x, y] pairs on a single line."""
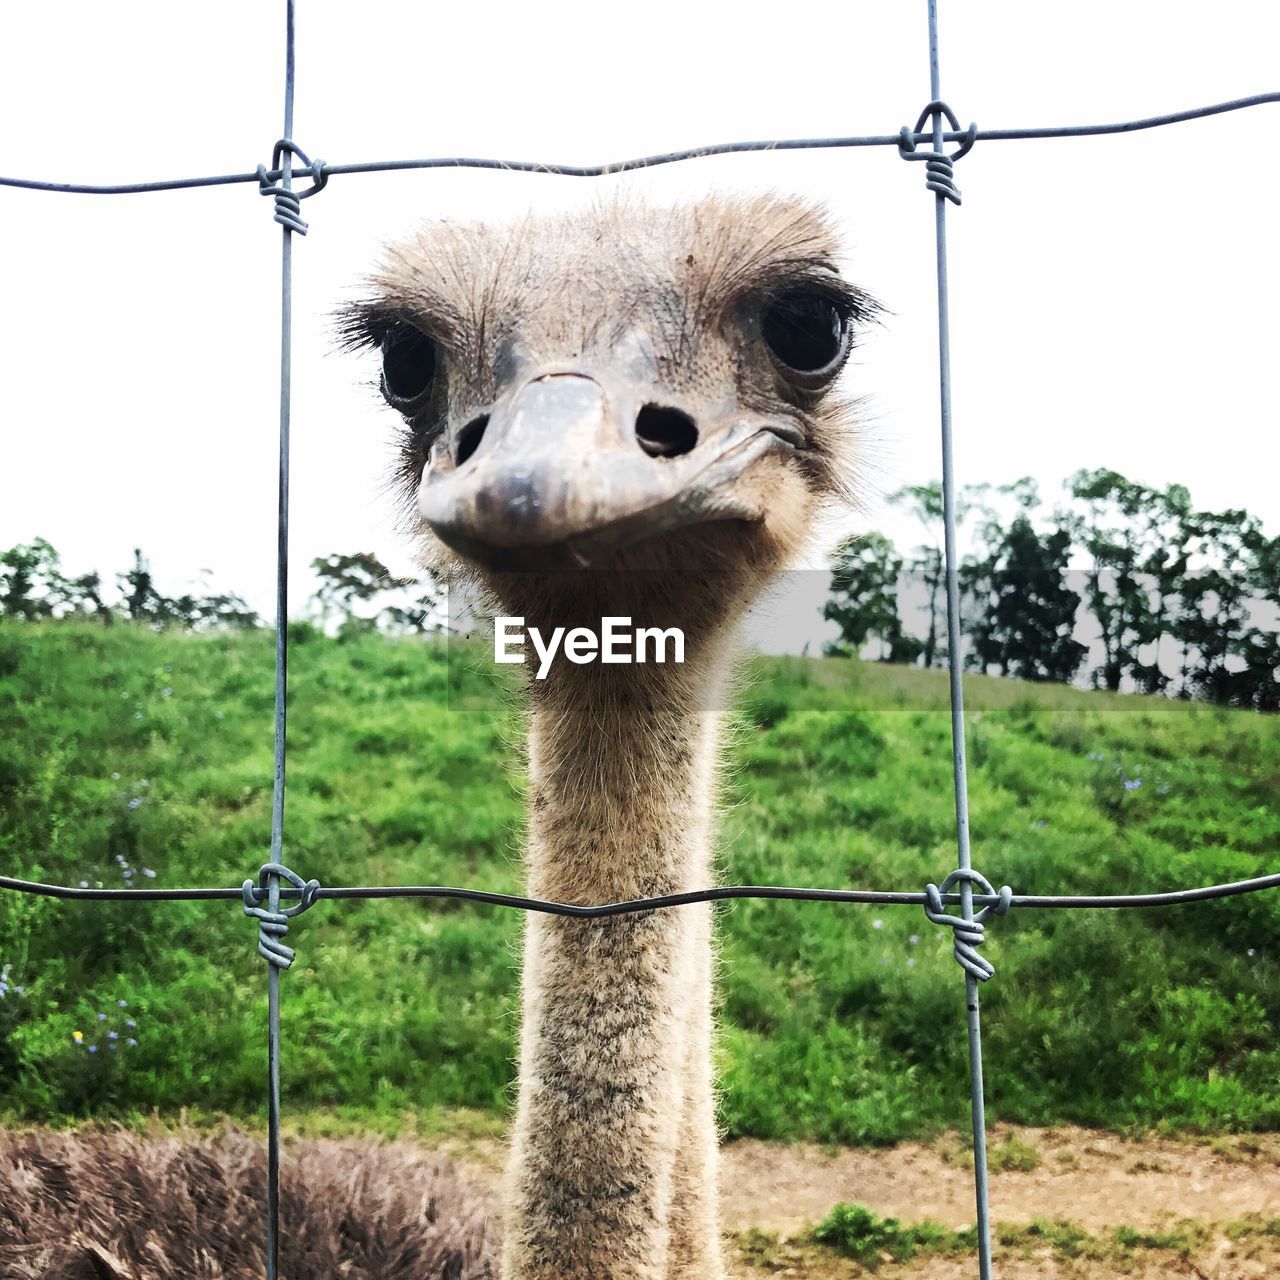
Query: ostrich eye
{"points": [[408, 364], [805, 330]]}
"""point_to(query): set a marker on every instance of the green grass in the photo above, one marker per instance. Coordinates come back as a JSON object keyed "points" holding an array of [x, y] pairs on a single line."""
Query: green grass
{"points": [[853, 1231], [1069, 1240], [842, 1024], [1013, 1155]]}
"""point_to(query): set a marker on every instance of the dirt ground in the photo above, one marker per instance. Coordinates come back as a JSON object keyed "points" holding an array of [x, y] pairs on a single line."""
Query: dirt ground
{"points": [[1095, 1179], [1098, 1181]]}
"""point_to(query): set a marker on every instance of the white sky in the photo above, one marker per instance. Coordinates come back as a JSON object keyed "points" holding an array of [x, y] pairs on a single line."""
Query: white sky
{"points": [[1113, 299]]}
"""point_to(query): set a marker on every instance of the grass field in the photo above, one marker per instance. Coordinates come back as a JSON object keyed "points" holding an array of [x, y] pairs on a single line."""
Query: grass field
{"points": [[123, 750]]}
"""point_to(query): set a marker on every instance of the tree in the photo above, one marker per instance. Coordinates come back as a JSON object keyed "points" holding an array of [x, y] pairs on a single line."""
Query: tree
{"points": [[1026, 615], [421, 612], [864, 600], [204, 610], [1165, 525], [1260, 648], [83, 596], [31, 581], [1216, 606], [142, 602], [1137, 538], [1258, 683], [192, 610], [350, 582], [927, 560], [225, 610]]}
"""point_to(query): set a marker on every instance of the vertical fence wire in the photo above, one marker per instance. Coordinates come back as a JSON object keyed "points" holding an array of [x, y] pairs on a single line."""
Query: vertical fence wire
{"points": [[959, 775], [282, 665]]}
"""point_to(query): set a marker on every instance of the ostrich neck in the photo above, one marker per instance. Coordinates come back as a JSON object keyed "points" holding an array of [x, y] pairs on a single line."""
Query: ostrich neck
{"points": [[622, 781], [612, 1173]]}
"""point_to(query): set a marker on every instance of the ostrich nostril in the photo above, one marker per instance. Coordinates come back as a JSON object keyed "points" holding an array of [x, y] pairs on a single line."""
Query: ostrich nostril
{"points": [[470, 436], [664, 432]]}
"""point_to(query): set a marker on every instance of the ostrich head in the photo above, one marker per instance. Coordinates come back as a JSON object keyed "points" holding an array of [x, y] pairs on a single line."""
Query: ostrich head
{"points": [[631, 392]]}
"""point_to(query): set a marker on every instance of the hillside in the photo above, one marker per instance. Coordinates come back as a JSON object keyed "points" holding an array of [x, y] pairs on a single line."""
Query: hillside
{"points": [[126, 750]]}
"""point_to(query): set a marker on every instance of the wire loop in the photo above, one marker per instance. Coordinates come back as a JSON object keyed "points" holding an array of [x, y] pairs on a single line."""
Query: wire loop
{"points": [[968, 934], [273, 925], [939, 168], [288, 202]]}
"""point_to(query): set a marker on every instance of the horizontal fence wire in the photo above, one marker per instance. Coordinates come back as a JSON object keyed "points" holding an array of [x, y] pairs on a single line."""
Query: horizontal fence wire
{"points": [[265, 899], [320, 169], [718, 893]]}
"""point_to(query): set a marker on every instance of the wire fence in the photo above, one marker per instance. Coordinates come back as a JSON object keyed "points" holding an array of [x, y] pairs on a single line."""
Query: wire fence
{"points": [[278, 894]]}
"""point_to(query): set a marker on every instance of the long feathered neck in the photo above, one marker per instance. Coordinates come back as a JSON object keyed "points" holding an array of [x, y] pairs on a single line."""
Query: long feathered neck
{"points": [[612, 1173], [622, 764]]}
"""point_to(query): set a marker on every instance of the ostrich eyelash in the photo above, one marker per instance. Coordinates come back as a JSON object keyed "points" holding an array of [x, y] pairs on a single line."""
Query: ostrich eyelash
{"points": [[361, 325], [856, 306]]}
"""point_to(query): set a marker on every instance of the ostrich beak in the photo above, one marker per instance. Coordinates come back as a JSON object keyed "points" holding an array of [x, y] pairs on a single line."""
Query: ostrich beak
{"points": [[559, 476]]}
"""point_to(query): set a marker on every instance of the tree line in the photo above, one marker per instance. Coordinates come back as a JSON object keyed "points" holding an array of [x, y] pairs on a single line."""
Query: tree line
{"points": [[354, 593], [34, 587], [1168, 599]]}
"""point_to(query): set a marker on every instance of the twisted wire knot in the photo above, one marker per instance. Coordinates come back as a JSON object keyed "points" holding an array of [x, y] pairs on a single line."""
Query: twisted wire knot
{"points": [[289, 202], [968, 934], [273, 925], [939, 168]]}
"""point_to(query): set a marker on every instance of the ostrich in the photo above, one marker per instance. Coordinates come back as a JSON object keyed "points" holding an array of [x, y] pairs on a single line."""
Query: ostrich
{"points": [[624, 412], [105, 1204]]}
